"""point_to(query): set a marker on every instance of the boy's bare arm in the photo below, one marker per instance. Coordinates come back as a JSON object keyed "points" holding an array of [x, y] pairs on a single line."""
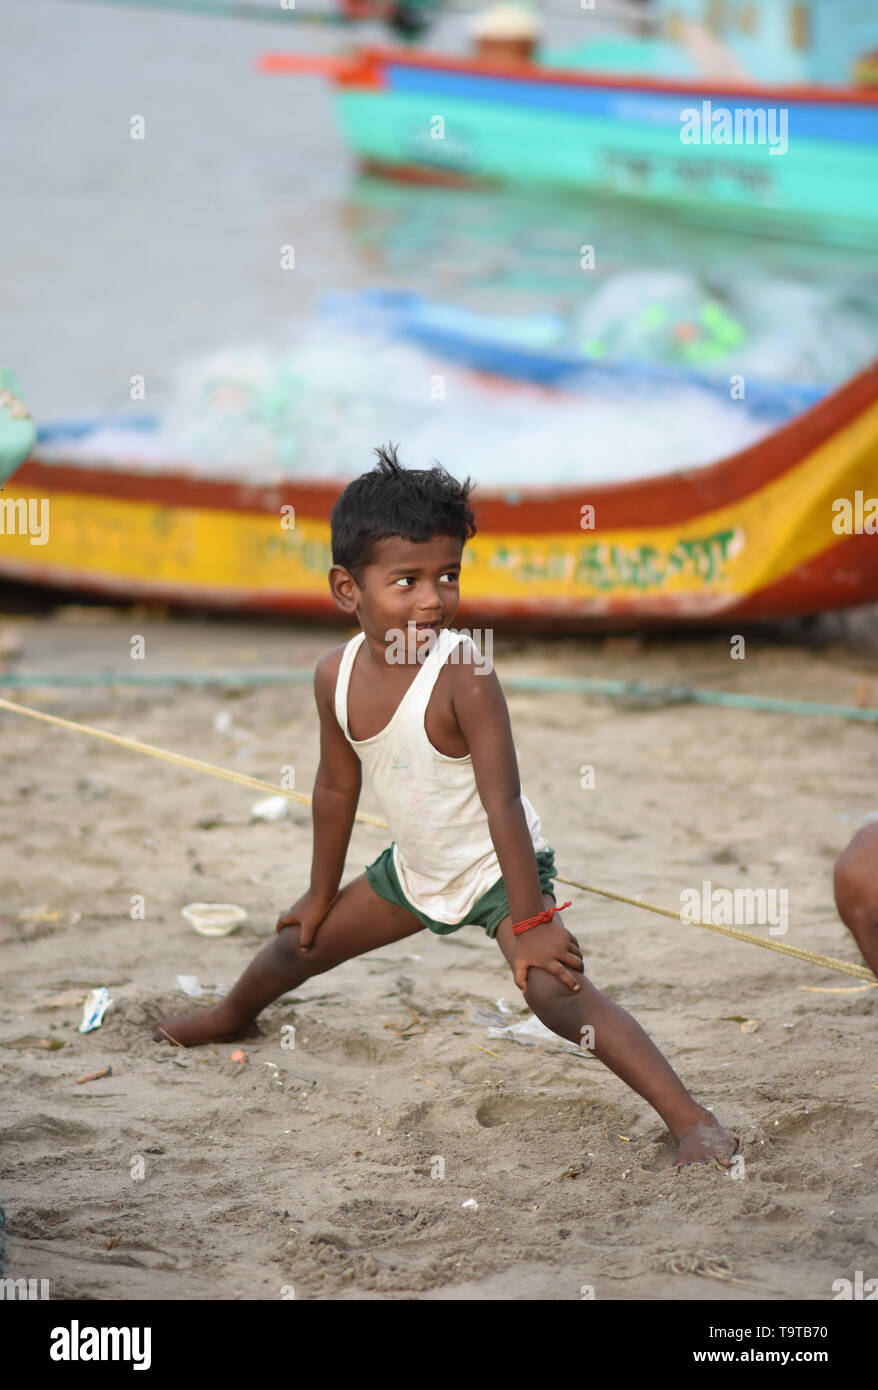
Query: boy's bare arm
{"points": [[336, 794], [480, 708], [337, 786]]}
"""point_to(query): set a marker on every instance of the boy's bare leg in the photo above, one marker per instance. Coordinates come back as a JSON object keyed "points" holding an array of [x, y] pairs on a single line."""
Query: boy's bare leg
{"points": [[621, 1044], [856, 892], [358, 921]]}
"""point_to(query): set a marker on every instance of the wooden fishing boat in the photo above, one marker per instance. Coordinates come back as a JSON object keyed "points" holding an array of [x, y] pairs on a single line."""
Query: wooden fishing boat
{"points": [[799, 161], [783, 528]]}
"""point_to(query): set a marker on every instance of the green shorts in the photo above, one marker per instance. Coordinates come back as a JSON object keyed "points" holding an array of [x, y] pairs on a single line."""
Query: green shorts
{"points": [[487, 912]]}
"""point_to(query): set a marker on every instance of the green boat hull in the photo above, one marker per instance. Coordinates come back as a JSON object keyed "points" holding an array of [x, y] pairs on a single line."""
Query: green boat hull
{"points": [[823, 186]]}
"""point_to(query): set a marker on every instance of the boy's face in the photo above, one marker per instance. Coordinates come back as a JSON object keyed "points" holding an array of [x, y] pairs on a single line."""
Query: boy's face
{"points": [[405, 582]]}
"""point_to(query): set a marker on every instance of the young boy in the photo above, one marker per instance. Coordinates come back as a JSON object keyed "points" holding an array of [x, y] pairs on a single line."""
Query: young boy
{"points": [[467, 845]]}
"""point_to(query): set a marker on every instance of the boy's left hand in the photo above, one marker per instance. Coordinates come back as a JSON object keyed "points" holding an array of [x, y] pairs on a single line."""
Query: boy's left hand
{"points": [[550, 946]]}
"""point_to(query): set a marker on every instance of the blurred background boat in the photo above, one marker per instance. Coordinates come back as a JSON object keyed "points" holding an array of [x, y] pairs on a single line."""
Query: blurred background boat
{"points": [[205, 387], [764, 114]]}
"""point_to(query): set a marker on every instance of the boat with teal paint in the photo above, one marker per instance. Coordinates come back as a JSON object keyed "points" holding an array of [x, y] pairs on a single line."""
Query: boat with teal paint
{"points": [[17, 429], [799, 160], [424, 116]]}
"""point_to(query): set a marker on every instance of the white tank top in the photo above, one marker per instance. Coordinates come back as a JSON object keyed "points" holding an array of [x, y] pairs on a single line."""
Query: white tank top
{"points": [[443, 853]]}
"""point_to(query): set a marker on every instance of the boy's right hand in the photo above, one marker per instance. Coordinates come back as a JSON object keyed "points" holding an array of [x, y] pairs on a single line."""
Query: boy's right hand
{"points": [[308, 912]]}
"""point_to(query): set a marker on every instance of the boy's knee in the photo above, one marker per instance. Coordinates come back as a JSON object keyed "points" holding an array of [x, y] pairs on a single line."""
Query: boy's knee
{"points": [[311, 962], [289, 939], [855, 880], [545, 992]]}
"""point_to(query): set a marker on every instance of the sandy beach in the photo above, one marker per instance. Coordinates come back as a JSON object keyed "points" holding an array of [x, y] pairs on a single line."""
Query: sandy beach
{"points": [[315, 1171]]}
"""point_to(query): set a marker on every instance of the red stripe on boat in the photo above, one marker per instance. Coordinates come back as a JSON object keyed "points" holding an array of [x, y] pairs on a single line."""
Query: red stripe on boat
{"points": [[712, 86]]}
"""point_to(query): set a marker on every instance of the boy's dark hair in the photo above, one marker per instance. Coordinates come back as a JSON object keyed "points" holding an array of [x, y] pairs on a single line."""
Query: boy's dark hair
{"points": [[389, 500]]}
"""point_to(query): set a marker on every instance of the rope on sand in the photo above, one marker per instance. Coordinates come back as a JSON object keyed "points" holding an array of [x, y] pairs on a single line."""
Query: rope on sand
{"points": [[860, 972], [165, 754], [828, 962]]}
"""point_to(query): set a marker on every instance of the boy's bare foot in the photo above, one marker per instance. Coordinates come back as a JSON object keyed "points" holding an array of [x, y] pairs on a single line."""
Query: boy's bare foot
{"points": [[202, 1026], [704, 1141]]}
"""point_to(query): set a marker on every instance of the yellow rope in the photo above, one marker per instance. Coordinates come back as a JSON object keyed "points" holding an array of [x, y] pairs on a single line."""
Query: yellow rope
{"points": [[828, 962], [168, 757], [860, 972]]}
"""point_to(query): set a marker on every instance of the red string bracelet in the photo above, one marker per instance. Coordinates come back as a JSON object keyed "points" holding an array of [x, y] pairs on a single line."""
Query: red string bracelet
{"points": [[545, 916]]}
